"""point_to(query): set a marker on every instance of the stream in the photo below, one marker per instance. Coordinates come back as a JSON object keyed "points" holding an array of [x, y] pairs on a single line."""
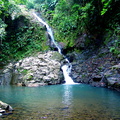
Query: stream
{"points": [[67, 67]]}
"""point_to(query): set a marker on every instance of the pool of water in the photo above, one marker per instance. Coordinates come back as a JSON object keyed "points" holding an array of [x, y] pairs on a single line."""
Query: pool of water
{"points": [[61, 102]]}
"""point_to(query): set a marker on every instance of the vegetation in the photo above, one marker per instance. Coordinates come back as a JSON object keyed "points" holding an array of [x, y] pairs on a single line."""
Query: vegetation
{"points": [[19, 36], [71, 20]]}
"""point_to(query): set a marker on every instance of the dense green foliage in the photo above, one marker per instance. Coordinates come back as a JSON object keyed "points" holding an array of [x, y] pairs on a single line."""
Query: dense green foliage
{"points": [[19, 36], [42, 5], [26, 38], [76, 23], [71, 19]]}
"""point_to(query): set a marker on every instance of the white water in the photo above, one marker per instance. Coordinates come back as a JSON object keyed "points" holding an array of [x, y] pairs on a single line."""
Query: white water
{"points": [[66, 68], [66, 71], [49, 31]]}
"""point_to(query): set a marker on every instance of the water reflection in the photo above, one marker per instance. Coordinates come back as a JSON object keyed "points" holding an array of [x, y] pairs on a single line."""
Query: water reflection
{"points": [[68, 94], [62, 102]]}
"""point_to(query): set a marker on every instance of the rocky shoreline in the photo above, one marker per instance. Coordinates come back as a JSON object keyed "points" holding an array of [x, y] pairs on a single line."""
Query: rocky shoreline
{"points": [[99, 69], [5, 109]]}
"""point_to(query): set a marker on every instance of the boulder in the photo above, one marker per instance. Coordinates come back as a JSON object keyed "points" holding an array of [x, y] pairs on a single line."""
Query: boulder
{"points": [[113, 74], [36, 84], [44, 67], [2, 111], [113, 77], [5, 106]]}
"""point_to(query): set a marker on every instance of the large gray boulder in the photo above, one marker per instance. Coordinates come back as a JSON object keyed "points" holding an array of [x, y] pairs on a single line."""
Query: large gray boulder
{"points": [[43, 68], [113, 77]]}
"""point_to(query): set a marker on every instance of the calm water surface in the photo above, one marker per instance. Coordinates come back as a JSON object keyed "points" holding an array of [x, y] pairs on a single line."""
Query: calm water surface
{"points": [[61, 102]]}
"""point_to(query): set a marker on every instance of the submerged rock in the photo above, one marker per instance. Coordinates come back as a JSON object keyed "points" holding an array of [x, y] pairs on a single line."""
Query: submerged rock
{"points": [[2, 111], [36, 84]]}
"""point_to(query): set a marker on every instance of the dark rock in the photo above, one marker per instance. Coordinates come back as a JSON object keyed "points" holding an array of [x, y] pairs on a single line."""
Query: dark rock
{"points": [[97, 78], [2, 111], [113, 77], [64, 108], [98, 69], [8, 113], [5, 106], [5, 109]]}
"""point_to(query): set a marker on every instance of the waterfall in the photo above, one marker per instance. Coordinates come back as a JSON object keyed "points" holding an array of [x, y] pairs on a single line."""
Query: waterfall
{"points": [[66, 71], [66, 68], [49, 31]]}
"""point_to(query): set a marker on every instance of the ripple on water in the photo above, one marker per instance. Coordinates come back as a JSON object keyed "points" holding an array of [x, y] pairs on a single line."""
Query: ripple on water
{"points": [[61, 102]]}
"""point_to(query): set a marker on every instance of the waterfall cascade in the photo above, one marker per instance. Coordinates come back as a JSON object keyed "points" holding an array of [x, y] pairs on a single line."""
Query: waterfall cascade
{"points": [[66, 71], [49, 31], [66, 68]]}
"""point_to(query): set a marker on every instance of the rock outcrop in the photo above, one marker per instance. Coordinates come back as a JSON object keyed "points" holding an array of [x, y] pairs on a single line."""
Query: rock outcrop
{"points": [[6, 74], [98, 69], [113, 77], [42, 69], [5, 108]]}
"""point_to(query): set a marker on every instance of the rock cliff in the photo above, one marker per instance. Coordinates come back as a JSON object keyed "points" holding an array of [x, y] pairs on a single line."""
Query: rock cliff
{"points": [[98, 68], [42, 69]]}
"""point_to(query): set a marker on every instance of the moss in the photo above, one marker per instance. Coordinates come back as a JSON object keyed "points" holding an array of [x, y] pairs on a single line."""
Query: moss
{"points": [[116, 85], [83, 76], [29, 78], [19, 70], [101, 55], [25, 38], [24, 71], [100, 67], [57, 56], [116, 67], [27, 75]]}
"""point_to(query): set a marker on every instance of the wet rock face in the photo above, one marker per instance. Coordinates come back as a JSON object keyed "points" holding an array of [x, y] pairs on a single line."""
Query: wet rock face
{"points": [[6, 75], [99, 70], [113, 77], [43, 69]]}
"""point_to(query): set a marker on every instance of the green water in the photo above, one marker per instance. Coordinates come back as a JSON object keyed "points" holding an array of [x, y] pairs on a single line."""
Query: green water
{"points": [[61, 102]]}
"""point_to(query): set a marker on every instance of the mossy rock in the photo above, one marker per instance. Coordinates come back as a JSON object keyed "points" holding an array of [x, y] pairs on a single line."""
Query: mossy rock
{"points": [[28, 76], [57, 56]]}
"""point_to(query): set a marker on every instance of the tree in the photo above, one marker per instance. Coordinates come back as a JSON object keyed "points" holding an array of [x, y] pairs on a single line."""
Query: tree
{"points": [[90, 17]]}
